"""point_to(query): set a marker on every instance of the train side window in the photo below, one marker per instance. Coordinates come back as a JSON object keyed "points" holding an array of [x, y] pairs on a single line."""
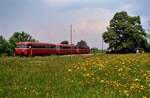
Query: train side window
{"points": [[44, 46], [63, 47], [41, 46], [66, 47], [58, 47], [34, 46], [72, 47], [53, 47], [29, 46], [22, 46]]}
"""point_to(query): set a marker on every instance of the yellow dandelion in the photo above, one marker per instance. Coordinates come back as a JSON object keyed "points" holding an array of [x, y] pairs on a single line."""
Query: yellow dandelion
{"points": [[102, 81], [126, 92], [144, 97], [69, 70]]}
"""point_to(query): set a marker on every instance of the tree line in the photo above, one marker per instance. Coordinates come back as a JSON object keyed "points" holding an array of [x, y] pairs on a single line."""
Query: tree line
{"points": [[7, 47], [79, 44]]}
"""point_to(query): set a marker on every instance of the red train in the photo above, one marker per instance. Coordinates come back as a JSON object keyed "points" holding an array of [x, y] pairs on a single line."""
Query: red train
{"points": [[36, 48]]}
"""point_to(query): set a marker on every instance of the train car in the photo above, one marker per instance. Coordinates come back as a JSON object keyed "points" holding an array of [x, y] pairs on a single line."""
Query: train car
{"points": [[66, 49], [83, 50], [72, 49], [36, 48]]}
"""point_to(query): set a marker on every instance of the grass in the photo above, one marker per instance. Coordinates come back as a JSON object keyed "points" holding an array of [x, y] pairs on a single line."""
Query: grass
{"points": [[38, 77], [97, 76]]}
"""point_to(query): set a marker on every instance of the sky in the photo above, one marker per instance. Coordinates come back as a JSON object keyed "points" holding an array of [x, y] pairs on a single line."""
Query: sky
{"points": [[50, 20]]}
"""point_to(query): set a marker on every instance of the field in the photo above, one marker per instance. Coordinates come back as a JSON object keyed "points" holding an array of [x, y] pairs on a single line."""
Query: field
{"points": [[97, 76]]}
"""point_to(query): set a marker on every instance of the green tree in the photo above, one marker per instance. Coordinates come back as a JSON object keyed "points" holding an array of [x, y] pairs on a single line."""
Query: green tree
{"points": [[125, 33], [82, 44], [20, 37], [94, 50], [65, 42], [4, 46]]}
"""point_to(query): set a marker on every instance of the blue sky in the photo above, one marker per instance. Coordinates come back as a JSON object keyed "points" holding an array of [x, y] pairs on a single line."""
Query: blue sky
{"points": [[49, 20]]}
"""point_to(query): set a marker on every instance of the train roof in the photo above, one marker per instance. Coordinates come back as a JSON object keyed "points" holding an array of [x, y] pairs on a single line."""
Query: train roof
{"points": [[34, 43], [41, 43], [64, 45]]}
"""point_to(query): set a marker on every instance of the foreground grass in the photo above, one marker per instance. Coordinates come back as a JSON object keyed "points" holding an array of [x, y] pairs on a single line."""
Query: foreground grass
{"points": [[98, 76], [114, 76], [38, 77]]}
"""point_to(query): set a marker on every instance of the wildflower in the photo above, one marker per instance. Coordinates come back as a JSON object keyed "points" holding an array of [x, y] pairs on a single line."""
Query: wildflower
{"points": [[137, 80], [126, 92], [102, 81], [86, 75], [123, 63], [144, 97], [69, 70], [121, 69]]}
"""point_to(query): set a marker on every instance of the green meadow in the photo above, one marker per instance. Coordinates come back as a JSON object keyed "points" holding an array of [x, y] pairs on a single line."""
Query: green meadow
{"points": [[97, 76], [37, 77]]}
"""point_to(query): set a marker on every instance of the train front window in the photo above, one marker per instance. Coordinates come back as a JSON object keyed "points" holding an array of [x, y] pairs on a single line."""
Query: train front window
{"points": [[22, 46]]}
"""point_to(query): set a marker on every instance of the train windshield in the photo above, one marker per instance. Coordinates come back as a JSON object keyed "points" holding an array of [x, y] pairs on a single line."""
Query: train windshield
{"points": [[22, 46]]}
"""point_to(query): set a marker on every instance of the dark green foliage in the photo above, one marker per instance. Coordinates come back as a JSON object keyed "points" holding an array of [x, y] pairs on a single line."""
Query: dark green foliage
{"points": [[8, 47], [65, 42], [82, 44], [96, 50], [20, 37], [4, 46], [125, 33]]}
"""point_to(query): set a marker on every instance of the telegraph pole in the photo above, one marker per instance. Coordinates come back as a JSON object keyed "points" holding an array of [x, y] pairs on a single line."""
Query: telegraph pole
{"points": [[71, 30], [102, 45]]}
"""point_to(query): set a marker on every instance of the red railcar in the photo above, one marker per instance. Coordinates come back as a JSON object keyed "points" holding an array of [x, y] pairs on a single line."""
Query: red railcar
{"points": [[36, 48], [66, 49], [83, 50]]}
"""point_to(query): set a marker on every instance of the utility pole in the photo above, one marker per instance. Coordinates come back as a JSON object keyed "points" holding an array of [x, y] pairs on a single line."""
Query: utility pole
{"points": [[102, 44], [71, 30]]}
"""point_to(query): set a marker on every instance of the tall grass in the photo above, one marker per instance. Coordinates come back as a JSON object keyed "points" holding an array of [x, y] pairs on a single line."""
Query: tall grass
{"points": [[38, 77], [114, 76], [97, 76]]}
